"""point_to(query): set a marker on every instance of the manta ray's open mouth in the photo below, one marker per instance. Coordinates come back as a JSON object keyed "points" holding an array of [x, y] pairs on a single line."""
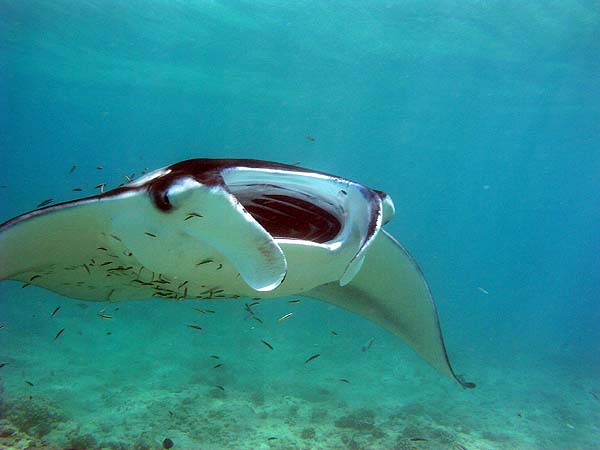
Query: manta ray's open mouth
{"points": [[287, 215]]}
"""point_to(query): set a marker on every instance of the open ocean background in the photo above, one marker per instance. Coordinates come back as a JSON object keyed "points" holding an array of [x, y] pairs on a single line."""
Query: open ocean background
{"points": [[480, 119]]}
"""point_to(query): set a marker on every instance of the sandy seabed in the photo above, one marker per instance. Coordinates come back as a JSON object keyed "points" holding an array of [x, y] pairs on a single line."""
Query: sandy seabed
{"points": [[145, 375]]}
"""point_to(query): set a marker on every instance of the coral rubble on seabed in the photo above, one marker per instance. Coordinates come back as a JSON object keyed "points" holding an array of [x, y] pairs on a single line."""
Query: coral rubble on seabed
{"points": [[210, 418]]}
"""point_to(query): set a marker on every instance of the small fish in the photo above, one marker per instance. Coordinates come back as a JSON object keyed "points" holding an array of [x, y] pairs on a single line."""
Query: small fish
{"points": [[293, 302], [104, 316], [272, 438], [77, 189], [2, 326], [25, 285], [2, 365], [171, 413], [285, 317], [266, 344], [106, 263], [482, 290], [209, 311], [334, 333], [220, 266], [217, 366], [127, 178], [59, 333], [100, 186], [310, 138], [206, 261], [149, 234], [116, 238], [104, 249], [29, 383], [191, 215], [45, 202], [34, 277], [343, 380], [215, 357], [195, 327], [219, 387], [99, 167], [368, 345], [182, 284], [258, 319], [459, 447], [595, 395], [312, 358], [73, 167], [119, 269], [55, 311], [87, 269], [417, 439]]}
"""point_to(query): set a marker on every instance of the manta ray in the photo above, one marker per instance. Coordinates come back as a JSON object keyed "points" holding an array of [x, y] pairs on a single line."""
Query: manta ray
{"points": [[230, 228]]}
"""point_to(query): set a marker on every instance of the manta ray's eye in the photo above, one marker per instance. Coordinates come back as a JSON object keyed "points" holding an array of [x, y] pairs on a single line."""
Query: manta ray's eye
{"points": [[162, 201], [169, 192], [159, 192]]}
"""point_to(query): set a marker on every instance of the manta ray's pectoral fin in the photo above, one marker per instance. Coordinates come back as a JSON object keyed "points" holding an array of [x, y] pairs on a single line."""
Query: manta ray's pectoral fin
{"points": [[391, 291], [119, 245]]}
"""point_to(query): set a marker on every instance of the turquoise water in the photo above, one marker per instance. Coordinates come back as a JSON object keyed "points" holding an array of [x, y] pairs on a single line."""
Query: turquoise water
{"points": [[480, 119]]}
